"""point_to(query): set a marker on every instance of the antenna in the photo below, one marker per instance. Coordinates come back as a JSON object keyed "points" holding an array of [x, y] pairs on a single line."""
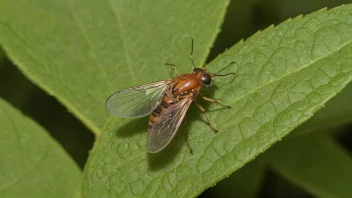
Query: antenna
{"points": [[194, 66], [224, 69]]}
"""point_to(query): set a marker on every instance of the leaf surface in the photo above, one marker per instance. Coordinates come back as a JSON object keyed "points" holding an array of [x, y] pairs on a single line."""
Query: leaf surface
{"points": [[337, 112]]}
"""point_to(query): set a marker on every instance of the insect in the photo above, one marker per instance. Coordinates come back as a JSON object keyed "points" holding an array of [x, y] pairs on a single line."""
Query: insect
{"points": [[166, 102]]}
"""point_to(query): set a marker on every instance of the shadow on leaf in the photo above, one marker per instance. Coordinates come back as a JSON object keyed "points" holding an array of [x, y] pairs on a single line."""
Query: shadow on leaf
{"points": [[133, 127], [162, 159]]}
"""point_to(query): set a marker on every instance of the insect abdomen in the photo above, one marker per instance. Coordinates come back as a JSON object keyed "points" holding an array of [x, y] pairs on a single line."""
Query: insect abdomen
{"points": [[165, 103]]}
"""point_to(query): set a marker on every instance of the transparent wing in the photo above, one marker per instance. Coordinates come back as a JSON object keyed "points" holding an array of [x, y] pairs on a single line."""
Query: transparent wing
{"points": [[137, 101], [166, 126]]}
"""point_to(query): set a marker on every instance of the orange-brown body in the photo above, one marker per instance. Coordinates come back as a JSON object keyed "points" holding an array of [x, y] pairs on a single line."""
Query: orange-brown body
{"points": [[182, 86]]}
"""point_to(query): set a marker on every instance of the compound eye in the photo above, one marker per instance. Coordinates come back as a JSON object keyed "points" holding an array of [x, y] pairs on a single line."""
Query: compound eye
{"points": [[206, 80]]}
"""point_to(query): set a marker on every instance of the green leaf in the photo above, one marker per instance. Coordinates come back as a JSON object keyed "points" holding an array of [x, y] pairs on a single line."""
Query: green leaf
{"points": [[284, 75], [337, 111], [315, 163], [83, 51], [32, 163]]}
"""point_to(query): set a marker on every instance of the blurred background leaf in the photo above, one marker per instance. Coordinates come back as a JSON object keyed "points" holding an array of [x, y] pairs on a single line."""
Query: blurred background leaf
{"points": [[245, 182], [45, 110], [316, 163], [32, 164]]}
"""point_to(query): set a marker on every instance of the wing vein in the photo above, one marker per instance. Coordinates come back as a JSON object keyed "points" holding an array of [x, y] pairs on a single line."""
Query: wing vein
{"points": [[137, 101]]}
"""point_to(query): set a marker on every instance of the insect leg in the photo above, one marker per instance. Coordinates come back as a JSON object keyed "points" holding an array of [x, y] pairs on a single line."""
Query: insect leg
{"points": [[206, 116], [186, 136], [215, 101], [173, 66]]}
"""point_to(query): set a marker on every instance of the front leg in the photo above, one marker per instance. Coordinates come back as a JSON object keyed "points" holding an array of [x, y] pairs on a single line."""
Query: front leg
{"points": [[173, 66], [206, 116], [214, 101]]}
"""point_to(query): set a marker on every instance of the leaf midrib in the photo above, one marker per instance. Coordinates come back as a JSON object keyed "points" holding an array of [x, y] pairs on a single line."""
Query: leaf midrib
{"points": [[88, 42], [124, 48]]}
